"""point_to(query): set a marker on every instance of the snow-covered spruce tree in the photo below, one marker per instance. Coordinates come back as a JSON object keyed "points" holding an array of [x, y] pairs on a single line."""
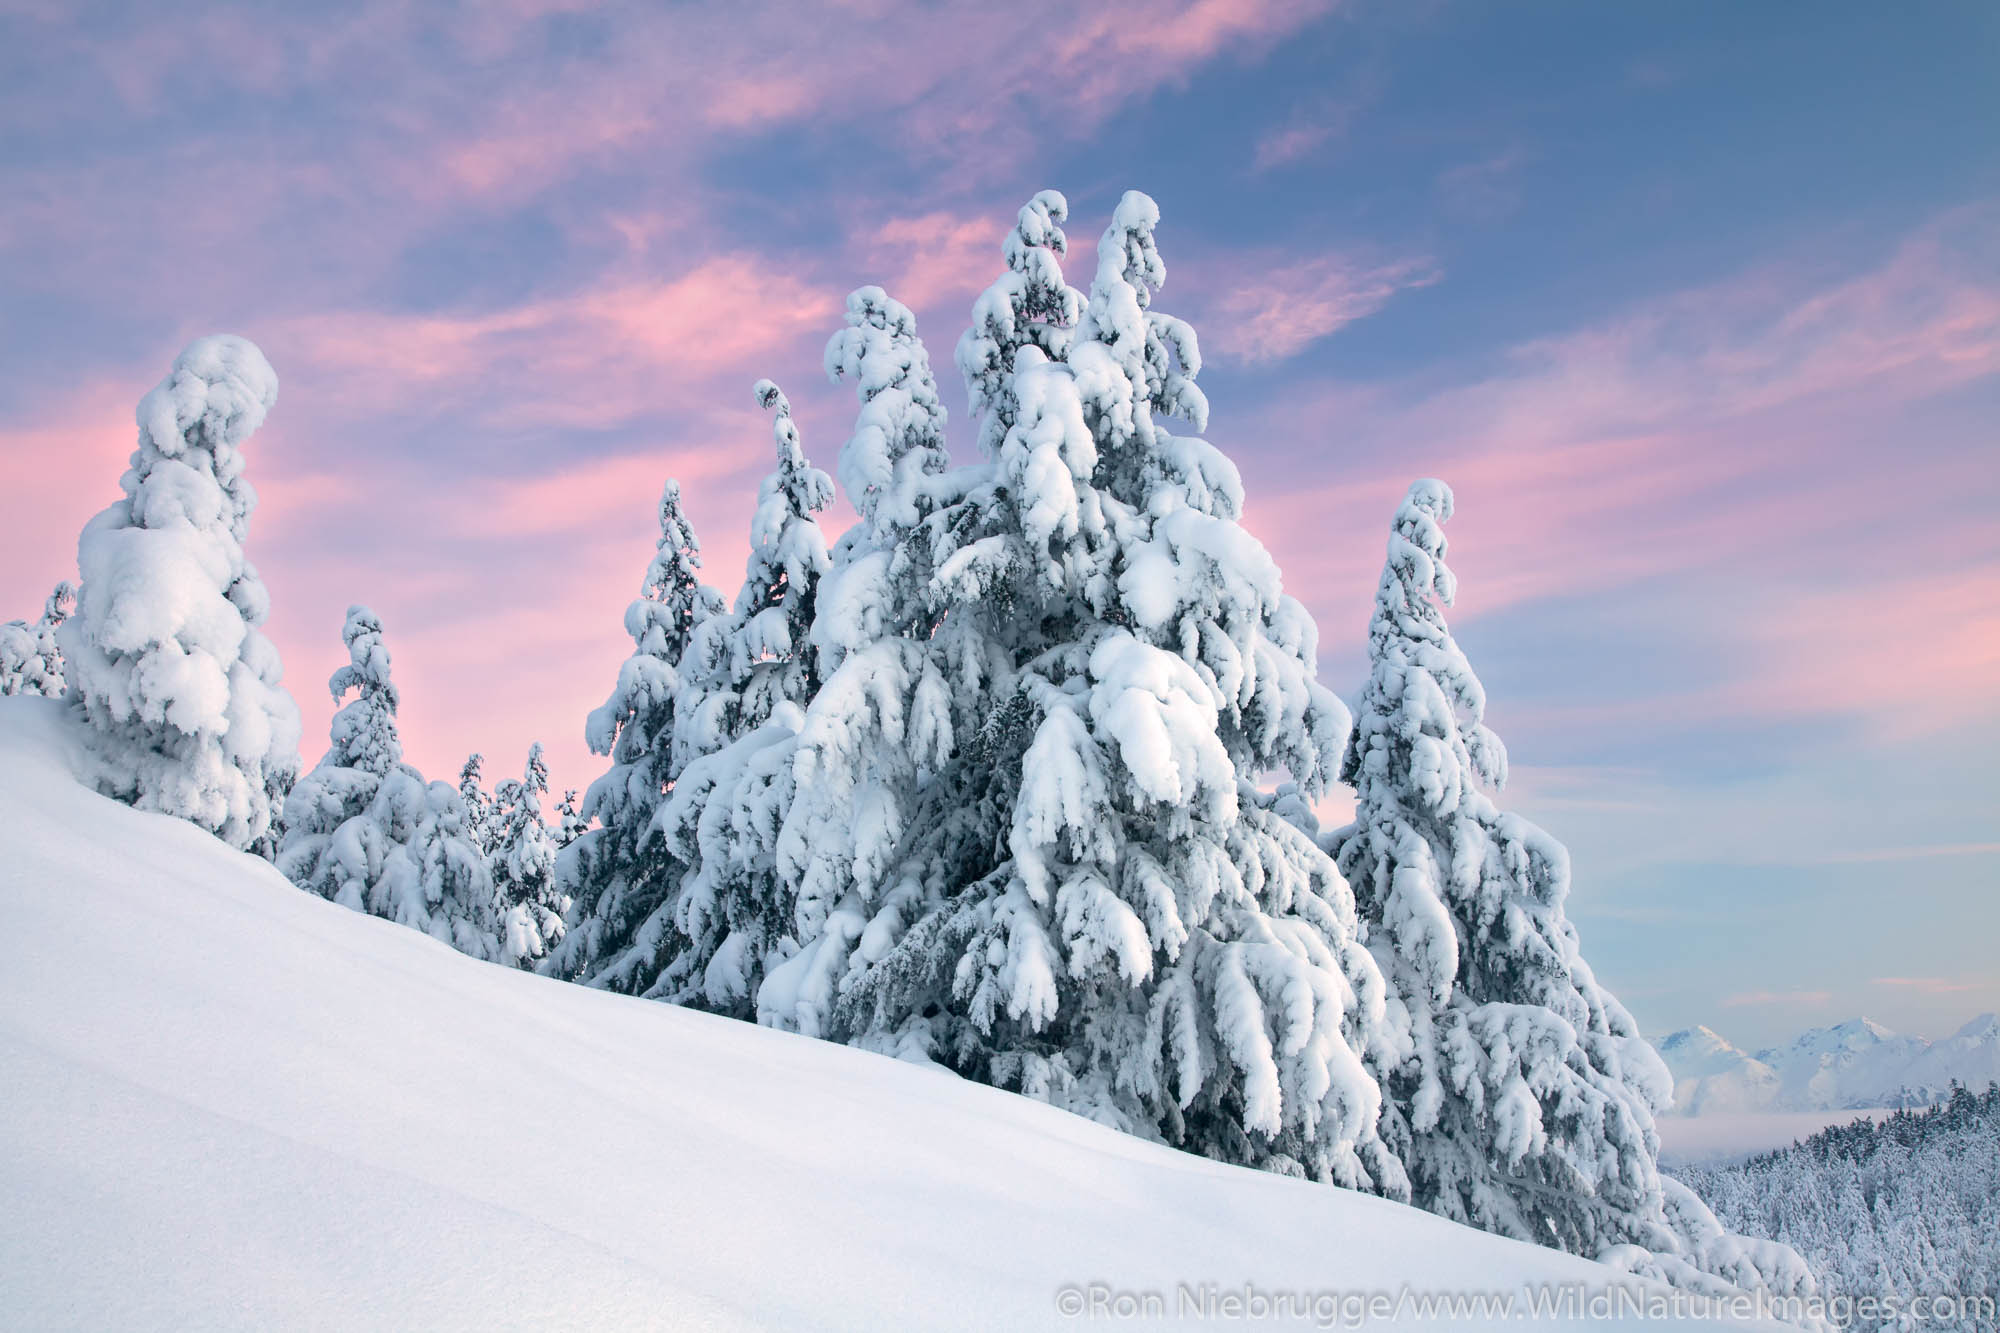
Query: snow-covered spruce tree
{"points": [[569, 819], [30, 659], [743, 665], [1526, 1105], [165, 660], [745, 678], [618, 873], [478, 803], [364, 830], [439, 882], [522, 860], [360, 804], [1063, 880]]}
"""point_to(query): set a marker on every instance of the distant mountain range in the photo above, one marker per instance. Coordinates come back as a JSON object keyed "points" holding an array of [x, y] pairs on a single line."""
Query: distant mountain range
{"points": [[1857, 1064]]}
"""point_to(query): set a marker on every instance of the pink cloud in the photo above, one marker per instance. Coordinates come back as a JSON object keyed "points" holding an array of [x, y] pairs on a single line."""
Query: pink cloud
{"points": [[1288, 144], [627, 348], [1718, 435], [1916, 653], [938, 258], [1271, 310]]}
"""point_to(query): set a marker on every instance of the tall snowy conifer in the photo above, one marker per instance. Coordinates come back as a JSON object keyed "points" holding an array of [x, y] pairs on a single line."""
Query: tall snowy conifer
{"points": [[743, 665], [522, 860], [1064, 880], [617, 874], [30, 659], [1526, 1104], [746, 677], [165, 657]]}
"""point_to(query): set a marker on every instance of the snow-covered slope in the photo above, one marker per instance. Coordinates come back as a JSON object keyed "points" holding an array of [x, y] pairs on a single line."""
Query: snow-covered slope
{"points": [[1855, 1064], [225, 1103]]}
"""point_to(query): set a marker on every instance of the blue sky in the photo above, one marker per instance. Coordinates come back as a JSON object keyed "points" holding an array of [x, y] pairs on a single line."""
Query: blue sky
{"points": [[1698, 308]]}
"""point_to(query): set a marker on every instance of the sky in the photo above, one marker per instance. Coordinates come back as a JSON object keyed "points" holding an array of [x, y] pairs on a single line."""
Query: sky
{"points": [[1696, 307]]}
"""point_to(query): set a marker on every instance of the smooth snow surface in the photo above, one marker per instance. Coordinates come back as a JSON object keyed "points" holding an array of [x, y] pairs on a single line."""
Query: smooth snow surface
{"points": [[231, 1104]]}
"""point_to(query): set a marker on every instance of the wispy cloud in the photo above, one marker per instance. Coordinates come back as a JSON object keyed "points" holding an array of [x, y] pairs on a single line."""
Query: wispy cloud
{"points": [[1723, 436], [1800, 999], [1269, 309], [624, 348], [1932, 985], [1485, 190], [1318, 121]]}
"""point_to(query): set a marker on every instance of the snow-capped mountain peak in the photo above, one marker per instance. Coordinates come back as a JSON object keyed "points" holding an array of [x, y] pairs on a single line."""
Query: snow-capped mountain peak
{"points": [[1986, 1027], [1856, 1034], [1712, 1075], [1858, 1063]]}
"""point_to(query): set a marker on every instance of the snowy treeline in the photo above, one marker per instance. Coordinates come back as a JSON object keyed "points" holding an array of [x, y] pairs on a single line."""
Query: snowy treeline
{"points": [[1895, 1209], [1015, 778]]}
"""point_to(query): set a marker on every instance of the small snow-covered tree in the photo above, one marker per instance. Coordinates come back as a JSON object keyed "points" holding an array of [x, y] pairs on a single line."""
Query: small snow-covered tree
{"points": [[1526, 1104], [363, 829], [478, 803], [165, 657], [30, 659], [360, 803], [1026, 834], [569, 819], [617, 874], [745, 678], [522, 860], [439, 883]]}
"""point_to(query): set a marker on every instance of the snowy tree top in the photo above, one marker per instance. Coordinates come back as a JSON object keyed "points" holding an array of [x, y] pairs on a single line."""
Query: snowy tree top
{"points": [[899, 435], [1156, 356], [364, 729], [216, 395], [1027, 306], [806, 489], [200, 415], [57, 608]]}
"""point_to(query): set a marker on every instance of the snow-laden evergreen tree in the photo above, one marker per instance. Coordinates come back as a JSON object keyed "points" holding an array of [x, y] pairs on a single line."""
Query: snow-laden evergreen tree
{"points": [[439, 882], [1026, 834], [164, 656], [744, 680], [1526, 1104], [522, 860], [363, 829], [478, 803], [30, 659], [617, 874], [344, 820], [742, 666], [569, 819], [897, 449]]}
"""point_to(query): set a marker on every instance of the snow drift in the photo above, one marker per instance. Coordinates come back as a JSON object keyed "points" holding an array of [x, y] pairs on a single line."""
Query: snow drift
{"points": [[230, 1103]]}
